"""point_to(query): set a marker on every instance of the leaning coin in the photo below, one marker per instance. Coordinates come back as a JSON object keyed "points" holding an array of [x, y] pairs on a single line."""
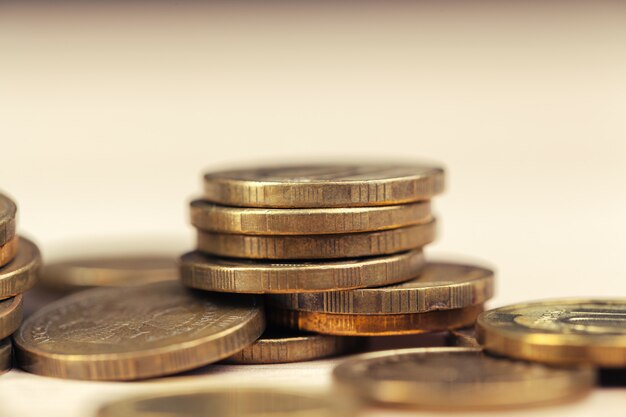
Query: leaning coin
{"points": [[6, 355], [324, 185], [352, 245], [249, 276], [10, 315], [238, 402], [21, 274], [136, 332], [7, 219], [8, 251], [561, 332], [440, 286], [457, 378], [375, 325]]}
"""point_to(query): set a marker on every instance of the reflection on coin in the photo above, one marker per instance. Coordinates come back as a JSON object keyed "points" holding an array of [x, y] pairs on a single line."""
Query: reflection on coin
{"points": [[8, 251], [118, 271], [569, 331], [21, 274], [283, 345], [260, 221], [136, 332], [457, 378], [7, 219], [440, 286], [352, 245], [240, 402], [250, 276], [6, 357], [463, 338], [324, 185], [374, 325], [10, 315]]}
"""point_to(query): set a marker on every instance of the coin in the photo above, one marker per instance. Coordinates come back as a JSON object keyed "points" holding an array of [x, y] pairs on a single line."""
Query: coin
{"points": [[10, 315], [284, 345], [114, 271], [7, 219], [321, 221], [457, 378], [440, 286], [250, 276], [560, 332], [463, 337], [8, 251], [136, 332], [21, 274], [239, 402], [352, 245], [6, 355], [324, 185], [374, 325]]}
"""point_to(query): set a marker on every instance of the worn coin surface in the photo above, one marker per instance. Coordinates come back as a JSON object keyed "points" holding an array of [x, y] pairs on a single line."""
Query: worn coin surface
{"points": [[21, 274], [136, 332], [262, 221], [352, 245], [6, 355], [375, 325], [8, 251], [7, 219], [457, 378], [562, 332], [324, 185], [249, 276], [440, 286], [239, 402], [10, 315]]}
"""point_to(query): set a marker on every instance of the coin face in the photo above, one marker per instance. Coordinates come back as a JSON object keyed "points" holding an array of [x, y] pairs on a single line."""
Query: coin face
{"points": [[10, 315], [440, 286], [457, 378], [138, 332], [324, 185], [6, 356], [21, 274], [8, 251], [569, 331], [7, 219], [262, 277]]}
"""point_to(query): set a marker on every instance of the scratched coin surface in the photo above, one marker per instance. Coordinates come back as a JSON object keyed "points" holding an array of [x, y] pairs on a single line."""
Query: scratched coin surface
{"points": [[351, 245], [561, 332], [262, 221], [8, 251], [10, 315], [440, 286], [324, 185], [21, 273], [262, 277], [7, 219], [136, 332], [457, 378]]}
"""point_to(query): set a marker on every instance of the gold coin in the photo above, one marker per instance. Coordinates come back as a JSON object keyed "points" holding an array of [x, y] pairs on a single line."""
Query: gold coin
{"points": [[8, 251], [118, 271], [457, 378], [440, 286], [463, 338], [321, 221], [7, 219], [136, 332], [352, 245], [250, 276], [21, 274], [239, 402], [560, 332], [6, 355], [374, 325], [324, 185], [10, 315]]}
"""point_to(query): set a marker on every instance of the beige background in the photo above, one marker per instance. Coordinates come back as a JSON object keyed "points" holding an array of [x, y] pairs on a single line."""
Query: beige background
{"points": [[109, 114]]}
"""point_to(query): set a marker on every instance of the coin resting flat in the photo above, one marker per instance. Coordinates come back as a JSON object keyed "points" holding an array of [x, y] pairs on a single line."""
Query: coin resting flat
{"points": [[249, 276], [7, 219], [561, 332], [10, 315], [136, 332], [21, 274], [8, 251]]}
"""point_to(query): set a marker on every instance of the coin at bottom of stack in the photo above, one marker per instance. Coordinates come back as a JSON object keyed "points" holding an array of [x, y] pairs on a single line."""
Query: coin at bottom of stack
{"points": [[6, 356]]}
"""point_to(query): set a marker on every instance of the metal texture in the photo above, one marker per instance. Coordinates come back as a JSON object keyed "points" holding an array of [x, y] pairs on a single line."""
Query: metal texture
{"points": [[10, 315], [21, 273], [8, 251], [8, 212]]}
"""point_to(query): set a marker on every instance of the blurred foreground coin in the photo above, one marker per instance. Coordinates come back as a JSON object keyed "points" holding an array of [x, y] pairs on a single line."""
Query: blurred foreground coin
{"points": [[7, 219], [6, 356], [457, 378], [8, 251], [10, 315], [21, 274]]}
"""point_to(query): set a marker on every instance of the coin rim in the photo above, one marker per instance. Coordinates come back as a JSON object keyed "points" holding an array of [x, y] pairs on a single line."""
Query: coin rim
{"points": [[8, 213], [11, 317], [21, 273], [8, 251]]}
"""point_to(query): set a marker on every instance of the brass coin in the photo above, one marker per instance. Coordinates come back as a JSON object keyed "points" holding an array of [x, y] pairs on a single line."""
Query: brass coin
{"points": [[250, 276], [239, 402], [8, 251], [321, 221], [440, 286], [21, 274], [8, 211], [375, 325], [352, 245], [6, 355], [136, 332], [10, 315], [324, 185], [463, 338], [282, 346], [457, 378], [560, 332]]}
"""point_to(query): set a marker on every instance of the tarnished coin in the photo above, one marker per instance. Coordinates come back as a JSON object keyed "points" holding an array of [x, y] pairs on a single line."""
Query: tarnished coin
{"points": [[463, 337], [352, 245], [239, 402], [249, 276], [375, 325], [321, 221], [6, 355], [136, 332], [562, 332], [324, 185], [457, 378], [8, 251], [21, 274], [10, 315], [7, 219], [440, 286]]}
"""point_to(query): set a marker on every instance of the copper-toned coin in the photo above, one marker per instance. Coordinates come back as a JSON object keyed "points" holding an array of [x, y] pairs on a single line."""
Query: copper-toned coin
{"points": [[6, 355], [8, 251], [8, 211], [463, 337], [10, 315], [21, 274]]}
